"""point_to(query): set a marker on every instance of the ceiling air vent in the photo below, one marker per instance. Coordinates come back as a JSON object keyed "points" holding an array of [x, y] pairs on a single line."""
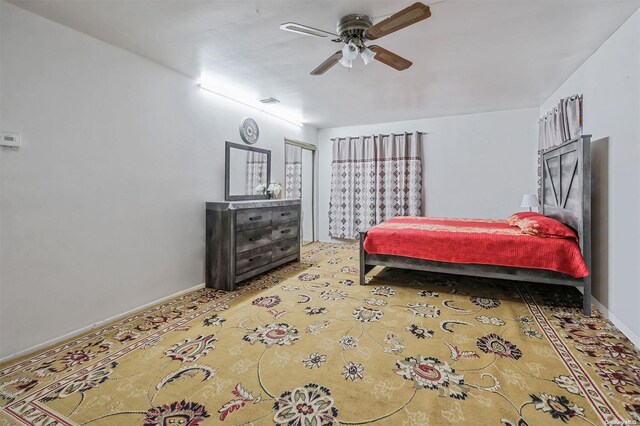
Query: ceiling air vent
{"points": [[269, 101]]}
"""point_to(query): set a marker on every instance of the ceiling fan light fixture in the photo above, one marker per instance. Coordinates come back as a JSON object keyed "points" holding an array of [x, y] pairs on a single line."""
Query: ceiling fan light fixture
{"points": [[350, 51], [345, 62], [367, 55]]}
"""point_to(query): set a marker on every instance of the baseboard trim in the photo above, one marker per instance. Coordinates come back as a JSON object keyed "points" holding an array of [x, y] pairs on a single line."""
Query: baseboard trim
{"points": [[616, 321], [83, 330]]}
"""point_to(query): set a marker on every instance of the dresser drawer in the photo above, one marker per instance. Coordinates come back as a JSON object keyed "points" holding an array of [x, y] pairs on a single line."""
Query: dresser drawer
{"points": [[253, 238], [285, 214], [252, 259], [284, 231], [253, 218], [285, 248]]}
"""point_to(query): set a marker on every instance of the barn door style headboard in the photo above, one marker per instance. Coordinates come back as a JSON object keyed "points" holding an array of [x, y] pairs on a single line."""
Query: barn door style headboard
{"points": [[566, 188]]}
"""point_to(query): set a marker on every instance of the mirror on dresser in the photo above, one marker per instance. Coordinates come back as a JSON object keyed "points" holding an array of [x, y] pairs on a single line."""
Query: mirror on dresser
{"points": [[246, 167]]}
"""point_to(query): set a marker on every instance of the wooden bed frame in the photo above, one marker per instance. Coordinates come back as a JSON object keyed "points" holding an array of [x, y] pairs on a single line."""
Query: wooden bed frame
{"points": [[566, 196]]}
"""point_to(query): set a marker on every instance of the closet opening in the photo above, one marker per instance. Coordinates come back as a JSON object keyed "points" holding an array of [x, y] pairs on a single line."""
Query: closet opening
{"points": [[299, 182]]}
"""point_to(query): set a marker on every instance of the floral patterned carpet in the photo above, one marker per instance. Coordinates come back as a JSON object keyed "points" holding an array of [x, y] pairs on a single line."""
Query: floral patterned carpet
{"points": [[306, 345]]}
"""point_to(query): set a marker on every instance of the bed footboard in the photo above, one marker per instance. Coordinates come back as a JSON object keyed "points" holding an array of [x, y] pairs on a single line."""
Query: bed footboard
{"points": [[364, 268], [586, 296], [369, 261]]}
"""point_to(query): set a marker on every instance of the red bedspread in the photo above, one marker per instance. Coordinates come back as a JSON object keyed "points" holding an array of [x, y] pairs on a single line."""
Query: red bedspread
{"points": [[477, 241]]}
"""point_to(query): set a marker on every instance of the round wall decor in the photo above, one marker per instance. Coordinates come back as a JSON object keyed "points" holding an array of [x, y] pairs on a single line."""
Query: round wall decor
{"points": [[249, 131]]}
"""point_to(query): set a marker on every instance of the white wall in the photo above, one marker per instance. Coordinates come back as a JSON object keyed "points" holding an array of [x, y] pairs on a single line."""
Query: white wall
{"points": [[476, 165], [103, 206], [609, 81]]}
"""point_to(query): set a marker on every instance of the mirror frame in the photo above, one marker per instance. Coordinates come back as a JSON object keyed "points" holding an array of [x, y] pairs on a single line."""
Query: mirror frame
{"points": [[229, 197]]}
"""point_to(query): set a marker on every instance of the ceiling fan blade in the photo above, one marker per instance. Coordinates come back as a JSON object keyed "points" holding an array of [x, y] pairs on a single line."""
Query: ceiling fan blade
{"points": [[390, 58], [306, 30], [408, 16], [331, 61]]}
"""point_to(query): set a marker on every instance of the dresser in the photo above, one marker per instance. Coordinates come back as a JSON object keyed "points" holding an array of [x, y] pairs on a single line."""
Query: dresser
{"points": [[247, 238]]}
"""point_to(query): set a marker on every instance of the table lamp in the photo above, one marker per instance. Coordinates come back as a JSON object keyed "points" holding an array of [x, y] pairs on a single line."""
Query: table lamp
{"points": [[529, 200]]}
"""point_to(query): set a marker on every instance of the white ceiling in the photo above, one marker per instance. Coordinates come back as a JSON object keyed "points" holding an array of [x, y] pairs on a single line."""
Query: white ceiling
{"points": [[470, 56]]}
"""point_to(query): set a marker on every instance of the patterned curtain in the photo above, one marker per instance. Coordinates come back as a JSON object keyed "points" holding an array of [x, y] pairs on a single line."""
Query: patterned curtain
{"points": [[563, 123], [256, 171], [374, 178], [293, 171]]}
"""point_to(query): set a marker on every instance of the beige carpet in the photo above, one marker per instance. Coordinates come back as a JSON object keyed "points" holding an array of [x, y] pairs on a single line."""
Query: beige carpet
{"points": [[306, 345]]}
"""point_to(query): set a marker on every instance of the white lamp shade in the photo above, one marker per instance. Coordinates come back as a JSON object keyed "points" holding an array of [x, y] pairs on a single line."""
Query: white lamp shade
{"points": [[367, 55], [345, 62], [529, 200], [350, 51]]}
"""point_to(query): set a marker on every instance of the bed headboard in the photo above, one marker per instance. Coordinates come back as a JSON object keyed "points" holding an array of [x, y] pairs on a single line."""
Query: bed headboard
{"points": [[566, 188]]}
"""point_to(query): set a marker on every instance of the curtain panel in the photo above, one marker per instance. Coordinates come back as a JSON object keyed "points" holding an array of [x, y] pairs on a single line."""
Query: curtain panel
{"points": [[292, 171], [374, 178], [563, 123]]}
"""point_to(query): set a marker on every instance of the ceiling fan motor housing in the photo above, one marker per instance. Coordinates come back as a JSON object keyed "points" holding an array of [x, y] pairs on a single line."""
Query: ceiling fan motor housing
{"points": [[353, 26]]}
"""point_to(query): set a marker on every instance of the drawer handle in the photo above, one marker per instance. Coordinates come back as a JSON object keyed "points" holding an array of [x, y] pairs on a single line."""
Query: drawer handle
{"points": [[255, 218], [285, 214], [285, 248], [285, 231], [255, 258], [255, 238]]}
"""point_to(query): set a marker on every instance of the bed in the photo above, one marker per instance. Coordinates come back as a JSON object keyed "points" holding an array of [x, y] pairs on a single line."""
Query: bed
{"points": [[566, 197]]}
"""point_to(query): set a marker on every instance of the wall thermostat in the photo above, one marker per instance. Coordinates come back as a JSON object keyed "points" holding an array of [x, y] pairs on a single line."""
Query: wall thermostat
{"points": [[10, 139]]}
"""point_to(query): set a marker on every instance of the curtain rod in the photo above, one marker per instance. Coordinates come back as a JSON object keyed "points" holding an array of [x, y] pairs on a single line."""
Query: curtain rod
{"points": [[378, 134]]}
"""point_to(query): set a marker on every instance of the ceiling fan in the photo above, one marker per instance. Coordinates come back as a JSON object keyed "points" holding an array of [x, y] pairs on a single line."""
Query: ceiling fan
{"points": [[355, 30]]}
